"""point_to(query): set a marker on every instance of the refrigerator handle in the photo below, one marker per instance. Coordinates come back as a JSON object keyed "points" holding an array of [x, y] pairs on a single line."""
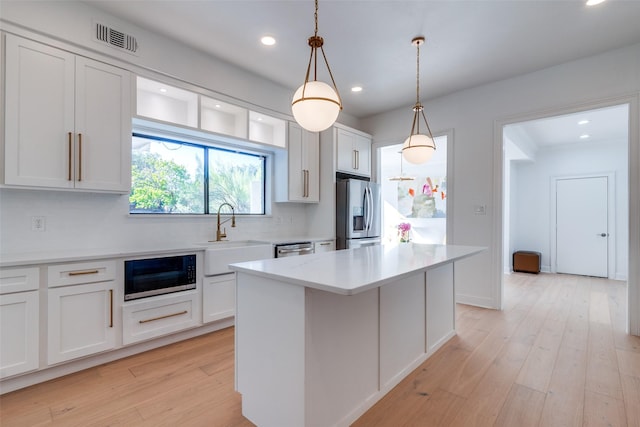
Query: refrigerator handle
{"points": [[369, 198]]}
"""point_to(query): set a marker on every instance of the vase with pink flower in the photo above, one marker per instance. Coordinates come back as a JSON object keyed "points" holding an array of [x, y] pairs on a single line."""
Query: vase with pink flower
{"points": [[403, 232]]}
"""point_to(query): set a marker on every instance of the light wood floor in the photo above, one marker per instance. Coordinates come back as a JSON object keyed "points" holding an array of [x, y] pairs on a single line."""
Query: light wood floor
{"points": [[556, 356]]}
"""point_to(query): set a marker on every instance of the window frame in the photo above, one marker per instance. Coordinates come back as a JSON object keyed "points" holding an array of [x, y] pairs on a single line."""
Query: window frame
{"points": [[171, 134]]}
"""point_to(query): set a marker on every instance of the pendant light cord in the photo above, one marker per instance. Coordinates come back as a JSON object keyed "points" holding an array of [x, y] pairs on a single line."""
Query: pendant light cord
{"points": [[418, 74], [315, 16]]}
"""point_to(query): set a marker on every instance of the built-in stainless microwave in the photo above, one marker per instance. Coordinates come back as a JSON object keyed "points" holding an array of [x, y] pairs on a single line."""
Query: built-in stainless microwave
{"points": [[155, 276]]}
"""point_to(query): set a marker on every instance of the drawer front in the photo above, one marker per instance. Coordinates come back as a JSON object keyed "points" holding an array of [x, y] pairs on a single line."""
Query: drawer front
{"points": [[81, 272], [19, 279], [157, 316]]}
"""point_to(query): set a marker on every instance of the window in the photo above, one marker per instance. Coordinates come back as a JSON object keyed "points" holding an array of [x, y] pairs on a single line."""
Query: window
{"points": [[169, 176]]}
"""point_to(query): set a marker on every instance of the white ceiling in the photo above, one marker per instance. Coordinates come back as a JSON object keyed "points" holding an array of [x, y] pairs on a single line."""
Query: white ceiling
{"points": [[367, 42], [603, 125]]}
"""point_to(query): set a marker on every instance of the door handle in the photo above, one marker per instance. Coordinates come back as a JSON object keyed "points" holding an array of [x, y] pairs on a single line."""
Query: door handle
{"points": [[602, 234]]}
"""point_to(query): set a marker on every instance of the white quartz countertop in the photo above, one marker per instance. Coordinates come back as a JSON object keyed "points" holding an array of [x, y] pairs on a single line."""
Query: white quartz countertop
{"points": [[86, 254], [352, 271]]}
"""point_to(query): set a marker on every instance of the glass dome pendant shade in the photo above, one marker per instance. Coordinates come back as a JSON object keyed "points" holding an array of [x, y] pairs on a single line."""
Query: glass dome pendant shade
{"points": [[418, 148], [316, 105]]}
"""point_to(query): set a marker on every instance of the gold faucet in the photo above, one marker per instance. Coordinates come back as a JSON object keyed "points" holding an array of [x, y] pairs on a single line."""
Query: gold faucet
{"points": [[223, 234]]}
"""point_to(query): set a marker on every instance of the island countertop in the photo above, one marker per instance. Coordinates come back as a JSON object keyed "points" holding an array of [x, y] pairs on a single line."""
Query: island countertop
{"points": [[352, 271]]}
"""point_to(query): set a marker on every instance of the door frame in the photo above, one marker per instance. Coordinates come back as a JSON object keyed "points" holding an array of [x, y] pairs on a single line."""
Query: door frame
{"points": [[611, 220], [497, 249]]}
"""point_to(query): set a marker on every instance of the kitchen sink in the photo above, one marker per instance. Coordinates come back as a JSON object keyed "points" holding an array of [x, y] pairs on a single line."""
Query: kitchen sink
{"points": [[218, 255]]}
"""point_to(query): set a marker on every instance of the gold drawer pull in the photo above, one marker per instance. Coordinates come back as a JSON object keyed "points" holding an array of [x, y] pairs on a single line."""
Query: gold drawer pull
{"points": [[80, 273], [163, 317]]}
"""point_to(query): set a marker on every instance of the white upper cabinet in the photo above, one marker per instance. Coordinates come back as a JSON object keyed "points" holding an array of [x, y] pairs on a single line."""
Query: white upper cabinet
{"points": [[353, 153], [298, 177], [67, 120]]}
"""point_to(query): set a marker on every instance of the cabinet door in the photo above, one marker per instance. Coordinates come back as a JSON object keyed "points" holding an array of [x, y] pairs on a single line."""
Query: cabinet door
{"points": [[18, 333], [297, 175], [303, 178], [39, 115], [103, 126], [346, 155], [311, 156], [362, 147], [80, 320], [218, 297]]}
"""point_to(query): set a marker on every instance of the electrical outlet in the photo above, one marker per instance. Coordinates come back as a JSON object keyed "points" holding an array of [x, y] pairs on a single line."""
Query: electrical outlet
{"points": [[38, 223], [480, 209]]}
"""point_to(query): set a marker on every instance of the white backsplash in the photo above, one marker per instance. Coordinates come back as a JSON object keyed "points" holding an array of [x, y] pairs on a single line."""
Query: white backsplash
{"points": [[76, 220]]}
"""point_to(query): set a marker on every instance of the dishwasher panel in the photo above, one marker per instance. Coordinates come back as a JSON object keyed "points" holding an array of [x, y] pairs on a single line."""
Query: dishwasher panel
{"points": [[294, 249]]}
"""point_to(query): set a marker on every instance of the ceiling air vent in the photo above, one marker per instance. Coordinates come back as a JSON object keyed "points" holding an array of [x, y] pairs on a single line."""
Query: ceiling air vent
{"points": [[116, 38]]}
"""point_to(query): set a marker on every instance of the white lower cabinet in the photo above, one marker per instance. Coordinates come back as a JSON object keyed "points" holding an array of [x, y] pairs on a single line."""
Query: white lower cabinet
{"points": [[218, 297], [80, 320], [19, 320], [18, 333], [153, 317]]}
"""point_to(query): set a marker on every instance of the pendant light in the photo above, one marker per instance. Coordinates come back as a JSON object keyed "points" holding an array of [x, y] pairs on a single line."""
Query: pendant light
{"points": [[315, 104], [401, 177], [418, 148]]}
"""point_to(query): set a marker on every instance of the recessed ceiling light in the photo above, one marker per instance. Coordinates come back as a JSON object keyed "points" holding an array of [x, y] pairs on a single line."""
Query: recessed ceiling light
{"points": [[356, 89], [163, 90], [585, 136], [217, 105], [594, 2], [268, 40], [583, 122]]}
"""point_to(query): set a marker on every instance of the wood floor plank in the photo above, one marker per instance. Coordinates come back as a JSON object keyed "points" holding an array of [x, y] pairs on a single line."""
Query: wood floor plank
{"points": [[603, 374], [483, 405], [603, 411], [537, 369], [629, 362], [631, 393], [522, 407], [564, 402]]}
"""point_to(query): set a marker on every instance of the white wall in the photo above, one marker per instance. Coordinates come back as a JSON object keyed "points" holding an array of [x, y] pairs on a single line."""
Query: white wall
{"points": [[532, 193], [472, 114], [85, 220], [477, 115]]}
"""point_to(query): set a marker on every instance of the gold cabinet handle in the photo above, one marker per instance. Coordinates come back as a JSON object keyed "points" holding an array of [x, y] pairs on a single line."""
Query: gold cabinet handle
{"points": [[111, 308], [79, 157], [325, 244], [70, 148], [163, 317], [83, 272]]}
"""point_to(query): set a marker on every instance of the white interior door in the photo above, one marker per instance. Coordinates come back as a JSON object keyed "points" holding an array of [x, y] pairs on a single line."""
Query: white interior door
{"points": [[581, 226]]}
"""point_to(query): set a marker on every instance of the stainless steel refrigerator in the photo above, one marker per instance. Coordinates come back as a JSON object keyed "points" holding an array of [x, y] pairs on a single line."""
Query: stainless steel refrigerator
{"points": [[358, 212]]}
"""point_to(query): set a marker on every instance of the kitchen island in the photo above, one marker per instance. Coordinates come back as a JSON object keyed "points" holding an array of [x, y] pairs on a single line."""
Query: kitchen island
{"points": [[321, 338]]}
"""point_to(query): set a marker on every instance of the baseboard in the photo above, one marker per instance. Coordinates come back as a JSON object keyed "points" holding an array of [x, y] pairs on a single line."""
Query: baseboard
{"points": [[476, 301]]}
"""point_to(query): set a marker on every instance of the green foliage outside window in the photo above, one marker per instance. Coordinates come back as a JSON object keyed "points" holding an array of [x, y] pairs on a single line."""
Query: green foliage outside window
{"points": [[163, 186], [168, 178]]}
